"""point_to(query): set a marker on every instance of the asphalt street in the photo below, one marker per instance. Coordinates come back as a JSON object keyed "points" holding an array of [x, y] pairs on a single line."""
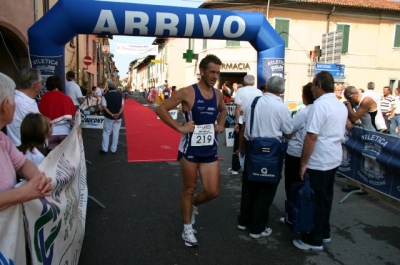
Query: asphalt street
{"points": [[141, 222]]}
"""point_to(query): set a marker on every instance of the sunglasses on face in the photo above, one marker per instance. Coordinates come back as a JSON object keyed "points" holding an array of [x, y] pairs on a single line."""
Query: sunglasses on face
{"points": [[349, 97]]}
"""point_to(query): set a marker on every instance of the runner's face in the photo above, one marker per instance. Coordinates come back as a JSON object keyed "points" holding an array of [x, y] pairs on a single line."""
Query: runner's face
{"points": [[211, 74]]}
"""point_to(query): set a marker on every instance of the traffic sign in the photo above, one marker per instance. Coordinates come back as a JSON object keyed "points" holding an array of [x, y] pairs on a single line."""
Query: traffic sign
{"points": [[87, 60], [336, 70]]}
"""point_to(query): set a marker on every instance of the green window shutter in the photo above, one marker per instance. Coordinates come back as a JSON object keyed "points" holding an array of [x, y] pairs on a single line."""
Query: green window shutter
{"points": [[282, 28], [204, 44], [232, 43], [346, 32], [397, 37]]}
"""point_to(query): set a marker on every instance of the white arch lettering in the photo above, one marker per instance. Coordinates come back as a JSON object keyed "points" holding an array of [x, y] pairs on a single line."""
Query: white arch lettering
{"points": [[189, 25], [130, 23], [228, 26], [208, 30], [161, 23], [168, 21], [106, 16]]}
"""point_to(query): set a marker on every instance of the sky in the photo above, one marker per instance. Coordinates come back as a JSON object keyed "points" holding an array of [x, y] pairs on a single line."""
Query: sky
{"points": [[122, 61]]}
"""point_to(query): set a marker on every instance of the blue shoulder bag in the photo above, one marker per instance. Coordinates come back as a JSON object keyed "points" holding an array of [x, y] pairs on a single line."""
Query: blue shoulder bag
{"points": [[264, 156]]}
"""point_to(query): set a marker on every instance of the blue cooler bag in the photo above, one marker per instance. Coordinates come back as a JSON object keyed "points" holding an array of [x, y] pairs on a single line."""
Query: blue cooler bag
{"points": [[300, 207]]}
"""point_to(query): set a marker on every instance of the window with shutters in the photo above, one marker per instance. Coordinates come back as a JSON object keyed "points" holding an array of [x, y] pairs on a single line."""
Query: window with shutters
{"points": [[396, 43], [345, 28], [232, 43], [282, 28]]}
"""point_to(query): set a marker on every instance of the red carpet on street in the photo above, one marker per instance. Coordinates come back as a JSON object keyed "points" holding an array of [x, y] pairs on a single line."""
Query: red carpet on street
{"points": [[148, 138]]}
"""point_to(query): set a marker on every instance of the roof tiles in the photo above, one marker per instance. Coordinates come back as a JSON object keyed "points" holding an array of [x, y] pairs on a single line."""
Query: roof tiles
{"points": [[375, 4]]}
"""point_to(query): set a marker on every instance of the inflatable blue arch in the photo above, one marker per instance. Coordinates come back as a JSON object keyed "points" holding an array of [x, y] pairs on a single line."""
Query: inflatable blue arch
{"points": [[67, 18]]}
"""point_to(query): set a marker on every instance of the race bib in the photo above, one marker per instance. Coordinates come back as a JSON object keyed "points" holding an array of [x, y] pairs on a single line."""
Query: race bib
{"points": [[203, 135]]}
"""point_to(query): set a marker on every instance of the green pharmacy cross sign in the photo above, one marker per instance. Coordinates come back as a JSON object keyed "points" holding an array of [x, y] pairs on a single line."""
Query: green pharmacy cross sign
{"points": [[189, 56]]}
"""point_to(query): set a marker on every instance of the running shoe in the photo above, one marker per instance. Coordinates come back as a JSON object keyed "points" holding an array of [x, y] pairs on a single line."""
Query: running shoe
{"points": [[266, 232], [304, 246], [189, 238]]}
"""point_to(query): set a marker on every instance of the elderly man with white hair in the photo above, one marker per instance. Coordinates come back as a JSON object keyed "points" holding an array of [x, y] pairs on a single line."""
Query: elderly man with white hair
{"points": [[13, 162], [113, 107], [29, 85], [272, 120]]}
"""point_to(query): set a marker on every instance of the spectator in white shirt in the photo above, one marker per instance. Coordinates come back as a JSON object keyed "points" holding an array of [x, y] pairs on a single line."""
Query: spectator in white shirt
{"points": [[29, 84], [100, 89], [394, 117], [73, 90], [370, 92], [242, 97], [387, 105], [321, 156]]}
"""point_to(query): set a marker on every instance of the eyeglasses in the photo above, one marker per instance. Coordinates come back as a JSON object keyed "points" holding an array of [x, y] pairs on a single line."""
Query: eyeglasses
{"points": [[349, 97], [41, 82]]}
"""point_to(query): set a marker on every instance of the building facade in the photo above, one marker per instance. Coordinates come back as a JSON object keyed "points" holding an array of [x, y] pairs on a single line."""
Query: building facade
{"points": [[369, 47], [16, 19]]}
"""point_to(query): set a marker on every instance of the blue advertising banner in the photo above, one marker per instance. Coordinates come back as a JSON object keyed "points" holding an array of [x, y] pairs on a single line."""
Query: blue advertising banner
{"points": [[273, 67], [373, 160], [48, 65]]}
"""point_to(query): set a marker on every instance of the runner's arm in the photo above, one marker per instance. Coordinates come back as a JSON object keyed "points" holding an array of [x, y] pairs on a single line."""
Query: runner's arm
{"points": [[170, 103], [219, 127], [364, 107]]}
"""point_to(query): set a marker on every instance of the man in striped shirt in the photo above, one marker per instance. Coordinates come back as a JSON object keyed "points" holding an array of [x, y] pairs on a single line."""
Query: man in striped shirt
{"points": [[387, 105]]}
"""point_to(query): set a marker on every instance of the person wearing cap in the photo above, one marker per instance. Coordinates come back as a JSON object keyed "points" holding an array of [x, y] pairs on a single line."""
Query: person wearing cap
{"points": [[73, 90]]}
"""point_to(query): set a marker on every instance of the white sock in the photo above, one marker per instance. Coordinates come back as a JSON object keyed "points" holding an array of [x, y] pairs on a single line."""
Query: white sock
{"points": [[187, 226]]}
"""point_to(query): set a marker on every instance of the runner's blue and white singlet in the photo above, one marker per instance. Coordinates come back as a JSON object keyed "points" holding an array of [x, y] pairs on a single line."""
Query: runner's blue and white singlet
{"points": [[204, 111]]}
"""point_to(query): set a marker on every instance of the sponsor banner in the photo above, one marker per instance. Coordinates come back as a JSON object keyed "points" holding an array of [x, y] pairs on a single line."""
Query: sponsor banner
{"points": [[55, 225], [137, 49], [231, 109], [12, 236], [92, 121], [48, 66], [229, 136], [273, 67], [173, 113], [373, 160]]}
